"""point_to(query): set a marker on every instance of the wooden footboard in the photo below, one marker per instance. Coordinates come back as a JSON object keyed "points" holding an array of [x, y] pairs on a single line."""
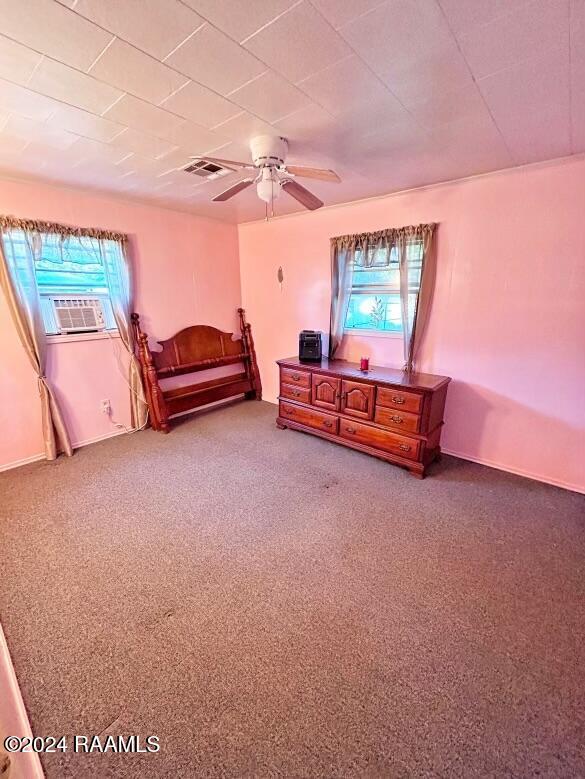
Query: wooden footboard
{"points": [[193, 349]]}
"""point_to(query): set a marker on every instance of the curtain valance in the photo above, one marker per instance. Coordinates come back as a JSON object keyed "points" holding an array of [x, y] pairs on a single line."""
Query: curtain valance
{"points": [[54, 228], [383, 238]]}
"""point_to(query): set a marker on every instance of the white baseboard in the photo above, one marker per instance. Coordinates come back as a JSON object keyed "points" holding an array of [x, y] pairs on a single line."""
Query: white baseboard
{"points": [[14, 719], [516, 471], [76, 445]]}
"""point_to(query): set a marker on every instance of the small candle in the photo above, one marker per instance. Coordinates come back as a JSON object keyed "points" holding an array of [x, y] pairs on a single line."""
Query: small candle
{"points": [[364, 363]]}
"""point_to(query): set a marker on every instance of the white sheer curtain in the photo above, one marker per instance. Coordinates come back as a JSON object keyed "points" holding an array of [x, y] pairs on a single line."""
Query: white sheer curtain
{"points": [[342, 264]]}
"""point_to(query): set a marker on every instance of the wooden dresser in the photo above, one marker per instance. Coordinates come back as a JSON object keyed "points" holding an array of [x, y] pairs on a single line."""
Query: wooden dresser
{"points": [[384, 412]]}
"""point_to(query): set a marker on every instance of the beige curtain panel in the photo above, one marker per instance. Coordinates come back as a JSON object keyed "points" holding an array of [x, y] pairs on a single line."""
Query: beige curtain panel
{"points": [[113, 255], [20, 288], [369, 250]]}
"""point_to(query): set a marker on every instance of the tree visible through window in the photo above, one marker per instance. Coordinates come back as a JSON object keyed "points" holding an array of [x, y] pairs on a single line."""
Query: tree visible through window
{"points": [[69, 268], [374, 303]]}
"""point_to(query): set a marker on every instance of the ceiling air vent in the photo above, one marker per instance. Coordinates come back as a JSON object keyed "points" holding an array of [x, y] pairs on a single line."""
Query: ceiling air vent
{"points": [[206, 170]]}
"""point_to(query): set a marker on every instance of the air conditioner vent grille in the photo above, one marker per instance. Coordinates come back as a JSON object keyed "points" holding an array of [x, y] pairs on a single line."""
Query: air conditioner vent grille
{"points": [[78, 314], [206, 170]]}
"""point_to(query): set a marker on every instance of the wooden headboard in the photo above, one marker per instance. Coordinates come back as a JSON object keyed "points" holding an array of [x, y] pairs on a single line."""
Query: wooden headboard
{"points": [[196, 348]]}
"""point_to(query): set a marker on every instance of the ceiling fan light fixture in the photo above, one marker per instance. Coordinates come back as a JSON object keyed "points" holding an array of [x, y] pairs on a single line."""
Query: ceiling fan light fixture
{"points": [[268, 188]]}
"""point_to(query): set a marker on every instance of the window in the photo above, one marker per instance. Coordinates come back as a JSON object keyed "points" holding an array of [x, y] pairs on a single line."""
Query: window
{"points": [[374, 303], [69, 269]]}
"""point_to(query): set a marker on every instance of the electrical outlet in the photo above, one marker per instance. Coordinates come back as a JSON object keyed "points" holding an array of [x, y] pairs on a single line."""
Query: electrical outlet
{"points": [[106, 407]]}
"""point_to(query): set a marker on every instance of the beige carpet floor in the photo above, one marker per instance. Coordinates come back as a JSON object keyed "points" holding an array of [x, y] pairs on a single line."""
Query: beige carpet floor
{"points": [[271, 605]]}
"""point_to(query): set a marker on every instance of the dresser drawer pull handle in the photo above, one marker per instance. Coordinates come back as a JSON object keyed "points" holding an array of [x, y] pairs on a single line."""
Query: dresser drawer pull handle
{"points": [[296, 393], [396, 418], [327, 423], [350, 429], [289, 410], [405, 447], [398, 399], [296, 376]]}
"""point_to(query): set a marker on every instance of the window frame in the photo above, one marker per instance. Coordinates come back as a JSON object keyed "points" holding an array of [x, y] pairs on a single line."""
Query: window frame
{"points": [[379, 288]]}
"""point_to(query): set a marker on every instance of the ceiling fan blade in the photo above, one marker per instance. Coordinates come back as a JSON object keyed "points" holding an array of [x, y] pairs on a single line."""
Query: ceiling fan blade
{"points": [[233, 190], [306, 198], [224, 163], [313, 173]]}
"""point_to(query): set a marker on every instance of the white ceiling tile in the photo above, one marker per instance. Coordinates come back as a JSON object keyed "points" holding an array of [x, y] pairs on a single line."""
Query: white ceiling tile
{"points": [[446, 107], [270, 97], [19, 127], [353, 144], [174, 160], [530, 104], [143, 116], [464, 15], [528, 87], [132, 71], [543, 136], [340, 12], [304, 127], [52, 29], [11, 146], [84, 123], [17, 62], [157, 26], [85, 149], [525, 32], [398, 30], [140, 143], [23, 102], [344, 85], [243, 127], [138, 163], [239, 20], [200, 105], [438, 70], [197, 139], [211, 58], [298, 43], [70, 86]]}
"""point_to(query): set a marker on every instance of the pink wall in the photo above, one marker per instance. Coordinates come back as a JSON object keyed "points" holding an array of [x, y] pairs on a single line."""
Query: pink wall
{"points": [[186, 272], [508, 318]]}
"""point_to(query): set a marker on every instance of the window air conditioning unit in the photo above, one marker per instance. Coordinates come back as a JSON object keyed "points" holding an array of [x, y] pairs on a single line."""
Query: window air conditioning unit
{"points": [[78, 314]]}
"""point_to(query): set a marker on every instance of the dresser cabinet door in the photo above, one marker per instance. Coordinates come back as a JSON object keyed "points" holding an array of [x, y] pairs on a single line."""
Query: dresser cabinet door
{"points": [[357, 399], [325, 392]]}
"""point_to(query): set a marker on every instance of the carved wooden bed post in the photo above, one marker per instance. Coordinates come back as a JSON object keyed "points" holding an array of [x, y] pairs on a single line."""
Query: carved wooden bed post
{"points": [[248, 340], [159, 417]]}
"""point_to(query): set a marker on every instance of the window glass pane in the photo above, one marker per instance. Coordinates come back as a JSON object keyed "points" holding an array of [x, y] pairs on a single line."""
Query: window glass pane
{"points": [[374, 312], [389, 276], [71, 267]]}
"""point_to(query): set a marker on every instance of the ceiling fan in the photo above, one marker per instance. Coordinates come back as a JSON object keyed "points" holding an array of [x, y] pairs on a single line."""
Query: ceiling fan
{"points": [[272, 174]]}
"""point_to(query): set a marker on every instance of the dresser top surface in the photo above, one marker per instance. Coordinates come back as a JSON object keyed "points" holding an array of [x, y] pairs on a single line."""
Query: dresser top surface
{"points": [[351, 370]]}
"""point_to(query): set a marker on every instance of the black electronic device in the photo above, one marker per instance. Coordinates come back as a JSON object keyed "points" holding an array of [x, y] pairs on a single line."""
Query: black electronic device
{"points": [[310, 347]]}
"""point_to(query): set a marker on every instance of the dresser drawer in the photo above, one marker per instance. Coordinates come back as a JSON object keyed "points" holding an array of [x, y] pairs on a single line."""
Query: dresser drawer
{"points": [[296, 377], [309, 416], [302, 394], [397, 398], [380, 439], [401, 420]]}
